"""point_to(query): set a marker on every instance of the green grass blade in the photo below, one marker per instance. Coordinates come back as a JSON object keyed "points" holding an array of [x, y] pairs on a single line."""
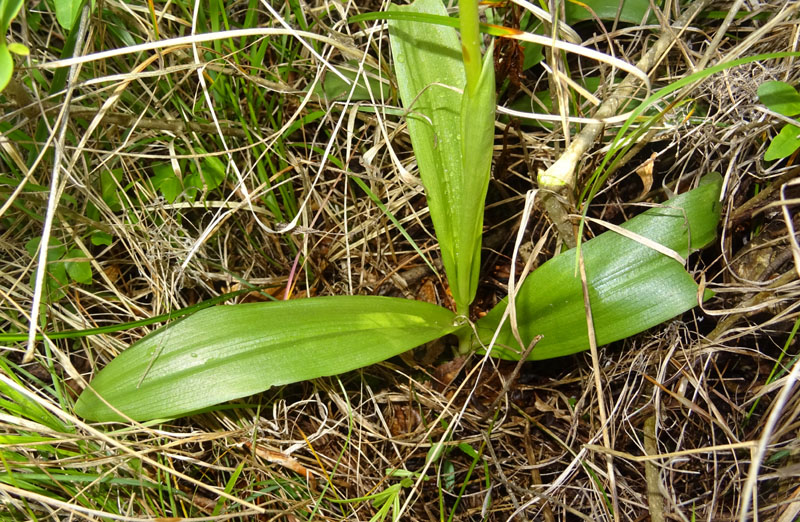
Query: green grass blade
{"points": [[453, 157], [618, 143], [228, 352], [74, 334], [375, 199], [628, 11], [631, 286]]}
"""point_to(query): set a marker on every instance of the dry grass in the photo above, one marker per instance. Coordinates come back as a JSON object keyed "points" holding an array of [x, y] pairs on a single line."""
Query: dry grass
{"points": [[687, 404]]}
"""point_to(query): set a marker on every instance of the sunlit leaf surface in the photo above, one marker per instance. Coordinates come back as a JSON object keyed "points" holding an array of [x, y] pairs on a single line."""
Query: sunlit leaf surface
{"points": [[228, 352], [454, 155], [631, 286]]}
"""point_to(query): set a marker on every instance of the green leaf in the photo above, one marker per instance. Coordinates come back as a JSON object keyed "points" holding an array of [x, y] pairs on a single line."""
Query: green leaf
{"points": [[8, 11], [210, 176], [213, 172], [193, 182], [477, 142], [109, 186], [67, 12], [430, 75], [533, 54], [166, 182], [631, 286], [448, 474], [784, 144], [6, 64], [101, 238], [78, 271], [228, 352], [56, 279], [54, 252], [780, 97], [630, 11], [18, 48]]}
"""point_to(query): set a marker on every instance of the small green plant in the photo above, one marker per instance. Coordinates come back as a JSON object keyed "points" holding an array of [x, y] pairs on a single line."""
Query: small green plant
{"points": [[635, 274], [207, 175], [785, 100], [66, 13], [387, 500], [63, 266]]}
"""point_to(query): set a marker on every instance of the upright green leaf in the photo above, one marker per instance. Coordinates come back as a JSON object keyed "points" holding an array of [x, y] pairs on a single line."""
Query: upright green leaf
{"points": [[477, 142], [8, 11], [631, 286], [6, 65], [228, 352], [451, 137], [67, 12]]}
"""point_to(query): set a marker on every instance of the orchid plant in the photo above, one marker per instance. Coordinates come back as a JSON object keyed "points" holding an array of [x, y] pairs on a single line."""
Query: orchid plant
{"points": [[635, 274]]}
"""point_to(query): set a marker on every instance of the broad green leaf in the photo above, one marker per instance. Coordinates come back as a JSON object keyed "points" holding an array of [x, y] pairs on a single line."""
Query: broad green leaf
{"points": [[533, 55], [101, 238], [630, 11], [166, 182], [784, 144], [430, 76], [67, 12], [427, 61], [54, 251], [213, 171], [211, 174], [228, 352], [55, 279], [631, 286], [79, 271], [780, 97]]}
